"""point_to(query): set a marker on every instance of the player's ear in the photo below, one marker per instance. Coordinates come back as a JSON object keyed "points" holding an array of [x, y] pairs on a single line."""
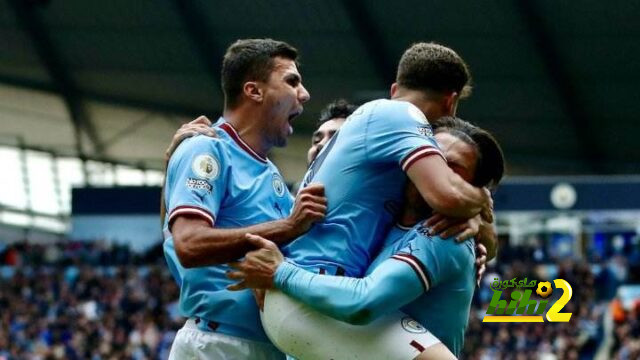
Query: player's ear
{"points": [[451, 103], [394, 89], [253, 91]]}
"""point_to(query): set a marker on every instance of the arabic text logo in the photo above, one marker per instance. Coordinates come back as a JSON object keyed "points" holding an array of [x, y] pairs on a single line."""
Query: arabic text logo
{"points": [[514, 311]]}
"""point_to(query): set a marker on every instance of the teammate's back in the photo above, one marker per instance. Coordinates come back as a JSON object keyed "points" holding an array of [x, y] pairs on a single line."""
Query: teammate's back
{"points": [[362, 169]]}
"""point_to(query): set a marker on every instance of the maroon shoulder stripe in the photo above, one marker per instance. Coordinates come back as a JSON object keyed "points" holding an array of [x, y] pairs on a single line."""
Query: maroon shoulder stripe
{"points": [[417, 266], [418, 154], [191, 210]]}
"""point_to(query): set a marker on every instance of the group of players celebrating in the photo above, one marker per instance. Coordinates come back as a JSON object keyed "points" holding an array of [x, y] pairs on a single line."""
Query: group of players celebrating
{"points": [[378, 255]]}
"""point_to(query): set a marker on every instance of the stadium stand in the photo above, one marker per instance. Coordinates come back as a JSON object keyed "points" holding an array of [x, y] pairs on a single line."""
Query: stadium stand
{"points": [[92, 300], [85, 300]]}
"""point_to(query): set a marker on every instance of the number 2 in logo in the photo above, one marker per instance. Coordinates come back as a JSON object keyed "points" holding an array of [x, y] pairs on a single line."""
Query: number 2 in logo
{"points": [[554, 313]]}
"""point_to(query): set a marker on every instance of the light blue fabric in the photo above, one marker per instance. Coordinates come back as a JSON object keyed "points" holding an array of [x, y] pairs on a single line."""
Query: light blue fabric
{"points": [[218, 178], [398, 279], [361, 169]]}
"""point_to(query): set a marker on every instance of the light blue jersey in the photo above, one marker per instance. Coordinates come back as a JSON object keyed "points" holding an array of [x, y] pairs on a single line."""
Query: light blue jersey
{"points": [[363, 170], [447, 271], [223, 181], [396, 233], [430, 279]]}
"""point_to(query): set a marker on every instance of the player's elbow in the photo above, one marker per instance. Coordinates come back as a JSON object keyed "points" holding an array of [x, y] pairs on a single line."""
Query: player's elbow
{"points": [[355, 312], [185, 252], [360, 312], [361, 316]]}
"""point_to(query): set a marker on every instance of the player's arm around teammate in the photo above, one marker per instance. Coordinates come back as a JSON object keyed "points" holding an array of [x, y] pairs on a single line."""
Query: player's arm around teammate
{"points": [[198, 244], [365, 299], [197, 241], [356, 301], [414, 266], [219, 188], [483, 231], [433, 78]]}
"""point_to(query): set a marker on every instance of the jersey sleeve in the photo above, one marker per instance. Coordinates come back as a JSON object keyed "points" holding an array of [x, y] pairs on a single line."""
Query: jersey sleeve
{"points": [[434, 260], [397, 131], [197, 179], [354, 300]]}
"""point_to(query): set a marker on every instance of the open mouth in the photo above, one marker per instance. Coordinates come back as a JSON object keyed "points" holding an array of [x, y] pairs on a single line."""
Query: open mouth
{"points": [[294, 115]]}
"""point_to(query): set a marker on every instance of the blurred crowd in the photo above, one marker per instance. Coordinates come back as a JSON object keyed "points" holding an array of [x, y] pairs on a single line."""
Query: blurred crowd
{"points": [[626, 330], [577, 339], [85, 301], [594, 289], [67, 253], [94, 300]]}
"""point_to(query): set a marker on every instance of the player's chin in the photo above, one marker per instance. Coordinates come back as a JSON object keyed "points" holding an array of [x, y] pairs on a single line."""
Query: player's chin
{"points": [[281, 141]]}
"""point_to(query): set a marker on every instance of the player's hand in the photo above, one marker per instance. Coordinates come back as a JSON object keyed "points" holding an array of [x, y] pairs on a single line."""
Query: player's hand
{"points": [[259, 266], [481, 262], [310, 207], [446, 227], [201, 125], [487, 209]]}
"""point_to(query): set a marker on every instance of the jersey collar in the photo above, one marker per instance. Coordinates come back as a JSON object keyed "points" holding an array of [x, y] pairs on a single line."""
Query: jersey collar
{"points": [[234, 135], [402, 227]]}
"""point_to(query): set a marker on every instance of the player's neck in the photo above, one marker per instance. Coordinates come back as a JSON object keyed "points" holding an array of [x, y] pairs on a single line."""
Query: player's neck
{"points": [[248, 124], [407, 221], [413, 215], [432, 107]]}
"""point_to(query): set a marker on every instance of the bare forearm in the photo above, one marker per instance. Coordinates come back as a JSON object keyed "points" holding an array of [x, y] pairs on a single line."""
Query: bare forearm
{"points": [[454, 197], [468, 200], [445, 191], [203, 246], [197, 244]]}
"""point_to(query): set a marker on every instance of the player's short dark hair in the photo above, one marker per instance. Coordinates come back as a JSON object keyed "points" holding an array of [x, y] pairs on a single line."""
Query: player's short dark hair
{"points": [[490, 166], [250, 60], [340, 108], [434, 68]]}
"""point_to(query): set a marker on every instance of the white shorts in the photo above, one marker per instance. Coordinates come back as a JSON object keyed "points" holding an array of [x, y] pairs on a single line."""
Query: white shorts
{"points": [[304, 333], [192, 343]]}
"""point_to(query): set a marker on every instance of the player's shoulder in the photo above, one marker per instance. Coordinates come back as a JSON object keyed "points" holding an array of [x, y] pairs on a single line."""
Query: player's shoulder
{"points": [[210, 152], [200, 143], [395, 110], [395, 234], [421, 241]]}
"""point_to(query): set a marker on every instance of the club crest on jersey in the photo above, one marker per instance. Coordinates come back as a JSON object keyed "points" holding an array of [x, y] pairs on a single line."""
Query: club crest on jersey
{"points": [[412, 326], [417, 115], [278, 185], [206, 167]]}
